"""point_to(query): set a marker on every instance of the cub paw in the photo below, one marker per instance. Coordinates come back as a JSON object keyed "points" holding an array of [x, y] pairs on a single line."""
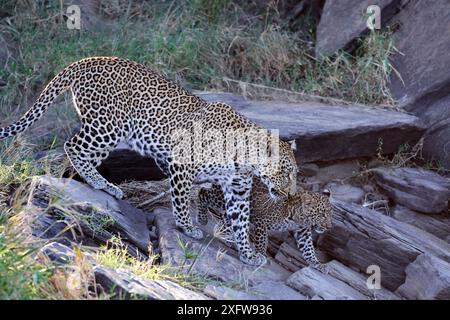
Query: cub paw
{"points": [[194, 232], [114, 191], [256, 259]]}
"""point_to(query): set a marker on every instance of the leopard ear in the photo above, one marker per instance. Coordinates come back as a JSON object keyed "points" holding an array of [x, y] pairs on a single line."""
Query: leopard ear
{"points": [[293, 144], [326, 192]]}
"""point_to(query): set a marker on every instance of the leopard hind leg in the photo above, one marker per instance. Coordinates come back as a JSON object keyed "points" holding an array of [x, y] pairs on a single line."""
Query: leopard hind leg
{"points": [[85, 151]]}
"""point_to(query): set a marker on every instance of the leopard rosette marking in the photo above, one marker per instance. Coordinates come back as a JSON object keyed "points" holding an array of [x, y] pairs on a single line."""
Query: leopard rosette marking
{"points": [[119, 100]]}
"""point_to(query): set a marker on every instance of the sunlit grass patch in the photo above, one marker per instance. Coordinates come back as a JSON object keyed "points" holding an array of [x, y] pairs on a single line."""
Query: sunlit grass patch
{"points": [[116, 255]]}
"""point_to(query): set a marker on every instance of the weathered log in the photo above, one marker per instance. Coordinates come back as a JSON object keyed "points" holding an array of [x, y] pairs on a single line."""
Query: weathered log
{"points": [[437, 225], [418, 189], [427, 278], [290, 258], [120, 283], [316, 284], [361, 237], [56, 207], [358, 281]]}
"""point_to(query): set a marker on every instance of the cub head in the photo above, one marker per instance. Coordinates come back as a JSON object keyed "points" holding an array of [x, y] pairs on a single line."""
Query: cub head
{"points": [[280, 174], [311, 209]]}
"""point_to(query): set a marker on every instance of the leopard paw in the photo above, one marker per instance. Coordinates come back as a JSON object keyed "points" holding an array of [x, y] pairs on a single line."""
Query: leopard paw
{"points": [[257, 259], [321, 267], [194, 232]]}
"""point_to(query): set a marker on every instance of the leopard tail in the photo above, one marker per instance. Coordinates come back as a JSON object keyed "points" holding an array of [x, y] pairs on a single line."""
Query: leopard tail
{"points": [[60, 83]]}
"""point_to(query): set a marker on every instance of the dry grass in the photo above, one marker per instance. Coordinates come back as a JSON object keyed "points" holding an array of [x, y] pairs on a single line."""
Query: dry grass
{"points": [[116, 255], [196, 42]]}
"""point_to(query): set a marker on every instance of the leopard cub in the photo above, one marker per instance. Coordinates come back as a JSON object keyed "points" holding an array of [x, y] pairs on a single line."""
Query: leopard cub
{"points": [[301, 213]]}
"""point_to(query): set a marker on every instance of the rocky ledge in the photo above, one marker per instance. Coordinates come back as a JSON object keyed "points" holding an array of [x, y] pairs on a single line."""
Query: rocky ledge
{"points": [[409, 249]]}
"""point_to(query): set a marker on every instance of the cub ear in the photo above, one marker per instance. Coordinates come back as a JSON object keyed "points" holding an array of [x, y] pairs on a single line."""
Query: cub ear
{"points": [[326, 192], [293, 144]]}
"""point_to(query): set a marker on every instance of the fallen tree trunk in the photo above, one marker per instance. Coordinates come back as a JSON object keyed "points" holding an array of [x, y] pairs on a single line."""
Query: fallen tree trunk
{"points": [[361, 237]]}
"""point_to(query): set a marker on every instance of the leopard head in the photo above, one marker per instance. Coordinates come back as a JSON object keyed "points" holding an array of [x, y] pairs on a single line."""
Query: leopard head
{"points": [[281, 177], [311, 209]]}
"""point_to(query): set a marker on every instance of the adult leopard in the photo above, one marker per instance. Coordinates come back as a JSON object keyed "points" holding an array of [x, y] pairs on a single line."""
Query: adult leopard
{"points": [[120, 100], [302, 213]]}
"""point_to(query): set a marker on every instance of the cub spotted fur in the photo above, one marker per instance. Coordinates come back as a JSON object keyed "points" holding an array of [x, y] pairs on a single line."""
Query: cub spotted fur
{"points": [[303, 212]]}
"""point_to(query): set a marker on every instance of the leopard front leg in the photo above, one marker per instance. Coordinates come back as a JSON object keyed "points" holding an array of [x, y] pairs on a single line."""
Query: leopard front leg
{"points": [[237, 203], [304, 241], [212, 201], [181, 179]]}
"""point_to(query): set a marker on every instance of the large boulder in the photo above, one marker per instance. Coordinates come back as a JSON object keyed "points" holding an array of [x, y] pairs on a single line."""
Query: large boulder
{"points": [[423, 40], [436, 145], [427, 278], [424, 87], [418, 189], [437, 225], [358, 281], [345, 20], [328, 132], [362, 237]]}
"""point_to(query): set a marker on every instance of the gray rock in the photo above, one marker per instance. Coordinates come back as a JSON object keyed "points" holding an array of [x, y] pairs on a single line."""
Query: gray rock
{"points": [[276, 291], [435, 224], [361, 237], [125, 284], [313, 283], [427, 277], [422, 39], [425, 85], [290, 257], [417, 189], [358, 281], [308, 169], [345, 20], [325, 132], [375, 163], [60, 254], [98, 214], [225, 293], [436, 144], [258, 292], [121, 283], [347, 193], [434, 110], [337, 171]]}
